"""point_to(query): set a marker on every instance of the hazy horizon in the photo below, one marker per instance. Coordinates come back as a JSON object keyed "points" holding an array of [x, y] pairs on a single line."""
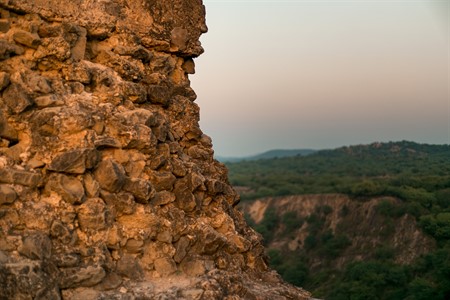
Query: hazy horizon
{"points": [[323, 74]]}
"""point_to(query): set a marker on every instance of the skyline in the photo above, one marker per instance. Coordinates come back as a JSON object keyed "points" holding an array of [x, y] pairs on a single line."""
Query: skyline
{"points": [[323, 74]]}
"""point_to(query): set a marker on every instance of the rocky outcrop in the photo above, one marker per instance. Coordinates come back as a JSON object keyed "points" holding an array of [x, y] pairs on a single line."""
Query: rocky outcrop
{"points": [[108, 187]]}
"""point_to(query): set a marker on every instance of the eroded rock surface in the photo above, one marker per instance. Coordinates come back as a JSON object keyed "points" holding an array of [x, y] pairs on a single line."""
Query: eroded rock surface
{"points": [[108, 187]]}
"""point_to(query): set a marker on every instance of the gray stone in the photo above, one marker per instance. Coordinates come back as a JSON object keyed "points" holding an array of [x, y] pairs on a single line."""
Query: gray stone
{"points": [[37, 246], [75, 161], [70, 189], [110, 175], [92, 215], [26, 38], [81, 277], [7, 194]]}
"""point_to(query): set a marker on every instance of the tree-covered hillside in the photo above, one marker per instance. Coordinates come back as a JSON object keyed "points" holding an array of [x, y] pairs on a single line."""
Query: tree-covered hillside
{"points": [[416, 175]]}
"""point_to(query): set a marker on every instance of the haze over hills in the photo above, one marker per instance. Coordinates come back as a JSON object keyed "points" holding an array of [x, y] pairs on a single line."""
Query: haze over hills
{"points": [[276, 153]]}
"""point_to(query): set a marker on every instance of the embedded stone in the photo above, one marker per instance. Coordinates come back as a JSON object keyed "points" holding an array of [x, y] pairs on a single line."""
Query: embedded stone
{"points": [[75, 161], [16, 99], [81, 277], [182, 247], [4, 80], [142, 190], [7, 49], [163, 198], [26, 178], [129, 266], [165, 266], [123, 203], [37, 247], [70, 189], [159, 94], [162, 180], [110, 175], [4, 25], [7, 195], [92, 214], [26, 38], [59, 231], [134, 246], [48, 100]]}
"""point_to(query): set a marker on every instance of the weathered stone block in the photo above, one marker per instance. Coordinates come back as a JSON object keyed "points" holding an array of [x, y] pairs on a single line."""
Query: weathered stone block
{"points": [[165, 266], [92, 215], [129, 266], [159, 94], [123, 203], [26, 38], [7, 194], [142, 190], [26, 178], [4, 25], [110, 175], [59, 231], [7, 50], [182, 247], [163, 198], [77, 277], [37, 246], [69, 188], [75, 161], [16, 99], [4, 80], [162, 180]]}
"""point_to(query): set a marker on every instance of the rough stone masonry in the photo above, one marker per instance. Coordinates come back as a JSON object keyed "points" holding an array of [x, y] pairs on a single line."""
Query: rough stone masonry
{"points": [[108, 187]]}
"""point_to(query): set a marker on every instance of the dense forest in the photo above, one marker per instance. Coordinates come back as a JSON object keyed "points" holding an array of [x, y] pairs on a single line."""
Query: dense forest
{"points": [[418, 175]]}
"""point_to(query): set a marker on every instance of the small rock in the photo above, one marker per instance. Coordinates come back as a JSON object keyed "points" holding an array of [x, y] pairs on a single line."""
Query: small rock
{"points": [[77, 277], [123, 202], [163, 198], [110, 175], [142, 190], [189, 66], [69, 188], [165, 266], [16, 99], [7, 195], [48, 100], [134, 246], [26, 38], [67, 260], [37, 247], [129, 266], [111, 281], [159, 94], [26, 178], [60, 231], [182, 247], [4, 80], [4, 25], [75, 161], [91, 214]]}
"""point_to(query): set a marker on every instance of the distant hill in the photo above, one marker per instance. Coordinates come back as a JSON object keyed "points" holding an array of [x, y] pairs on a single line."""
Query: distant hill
{"points": [[276, 153], [357, 222]]}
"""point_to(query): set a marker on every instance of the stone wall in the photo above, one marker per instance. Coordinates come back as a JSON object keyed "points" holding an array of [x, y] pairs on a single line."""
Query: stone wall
{"points": [[108, 187]]}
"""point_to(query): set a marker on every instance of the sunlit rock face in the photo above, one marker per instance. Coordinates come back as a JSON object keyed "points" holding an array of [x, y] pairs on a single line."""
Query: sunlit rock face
{"points": [[108, 187]]}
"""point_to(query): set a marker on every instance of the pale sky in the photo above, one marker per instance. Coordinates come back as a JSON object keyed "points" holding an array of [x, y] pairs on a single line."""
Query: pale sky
{"points": [[323, 74]]}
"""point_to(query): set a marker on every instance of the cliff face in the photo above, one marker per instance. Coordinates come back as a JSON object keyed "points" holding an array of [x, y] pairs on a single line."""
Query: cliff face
{"points": [[108, 187]]}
